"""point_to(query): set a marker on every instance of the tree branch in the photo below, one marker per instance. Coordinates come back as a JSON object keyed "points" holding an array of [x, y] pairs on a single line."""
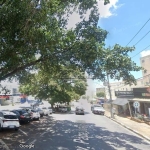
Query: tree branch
{"points": [[20, 68]]}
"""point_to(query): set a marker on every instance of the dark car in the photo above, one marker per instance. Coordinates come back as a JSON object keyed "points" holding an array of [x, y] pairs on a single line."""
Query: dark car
{"points": [[62, 109], [79, 110], [22, 115]]}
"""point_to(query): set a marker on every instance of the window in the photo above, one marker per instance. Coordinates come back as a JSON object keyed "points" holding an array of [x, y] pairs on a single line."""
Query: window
{"points": [[145, 71], [1, 115], [10, 116], [143, 61]]}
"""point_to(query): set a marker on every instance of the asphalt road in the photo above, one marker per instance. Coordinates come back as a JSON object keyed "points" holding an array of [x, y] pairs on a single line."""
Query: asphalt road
{"points": [[72, 132]]}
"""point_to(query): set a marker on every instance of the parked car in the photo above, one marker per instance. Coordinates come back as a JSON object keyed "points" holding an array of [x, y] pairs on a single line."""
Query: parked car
{"points": [[45, 110], [62, 109], [41, 112], [9, 120], [23, 115], [99, 110], [50, 110], [35, 115], [79, 110], [95, 105]]}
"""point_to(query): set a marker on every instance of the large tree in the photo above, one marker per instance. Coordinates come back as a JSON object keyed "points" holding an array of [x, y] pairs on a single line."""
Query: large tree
{"points": [[29, 30], [115, 63], [61, 87], [34, 37]]}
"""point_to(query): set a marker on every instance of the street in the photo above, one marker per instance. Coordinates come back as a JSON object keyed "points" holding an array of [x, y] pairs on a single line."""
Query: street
{"points": [[72, 132]]}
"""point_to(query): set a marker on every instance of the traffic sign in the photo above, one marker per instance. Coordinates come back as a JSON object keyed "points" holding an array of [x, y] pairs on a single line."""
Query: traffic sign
{"points": [[136, 104]]}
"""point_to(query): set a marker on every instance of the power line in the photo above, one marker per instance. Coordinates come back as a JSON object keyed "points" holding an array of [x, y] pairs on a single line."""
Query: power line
{"points": [[127, 84], [142, 38], [138, 32], [136, 79], [141, 51]]}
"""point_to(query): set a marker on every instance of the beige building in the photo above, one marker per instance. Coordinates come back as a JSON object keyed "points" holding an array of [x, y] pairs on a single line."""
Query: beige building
{"points": [[145, 63], [120, 86]]}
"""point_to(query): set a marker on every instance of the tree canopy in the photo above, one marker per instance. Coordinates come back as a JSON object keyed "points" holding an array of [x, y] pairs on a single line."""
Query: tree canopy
{"points": [[28, 32], [39, 50], [100, 94], [57, 88]]}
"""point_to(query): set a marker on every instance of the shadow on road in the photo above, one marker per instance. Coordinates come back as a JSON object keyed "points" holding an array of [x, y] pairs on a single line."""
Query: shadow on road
{"points": [[66, 135], [69, 135]]}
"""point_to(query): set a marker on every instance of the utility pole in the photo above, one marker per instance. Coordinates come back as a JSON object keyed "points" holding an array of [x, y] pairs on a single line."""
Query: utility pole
{"points": [[111, 106]]}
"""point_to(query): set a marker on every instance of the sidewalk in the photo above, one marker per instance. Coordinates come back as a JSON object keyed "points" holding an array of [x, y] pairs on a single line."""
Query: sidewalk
{"points": [[141, 129]]}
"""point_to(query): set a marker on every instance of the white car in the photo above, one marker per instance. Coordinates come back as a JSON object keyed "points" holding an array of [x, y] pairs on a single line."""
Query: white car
{"points": [[99, 110], [45, 110], [35, 114], [9, 120], [50, 110]]}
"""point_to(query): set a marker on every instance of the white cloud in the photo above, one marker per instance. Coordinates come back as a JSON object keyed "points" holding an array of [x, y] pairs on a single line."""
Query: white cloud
{"points": [[109, 9], [145, 53], [104, 10]]}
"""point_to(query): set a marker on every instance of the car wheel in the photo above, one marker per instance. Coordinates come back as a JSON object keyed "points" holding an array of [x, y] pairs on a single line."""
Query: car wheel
{"points": [[16, 129], [1, 127], [38, 118], [46, 114]]}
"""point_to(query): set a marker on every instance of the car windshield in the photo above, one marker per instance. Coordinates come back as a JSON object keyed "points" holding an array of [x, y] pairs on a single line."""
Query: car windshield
{"points": [[34, 110], [44, 108], [16, 112], [79, 108], [22, 111], [10, 116], [98, 107]]}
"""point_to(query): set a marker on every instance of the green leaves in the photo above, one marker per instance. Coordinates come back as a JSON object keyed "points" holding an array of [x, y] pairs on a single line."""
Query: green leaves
{"points": [[117, 64]]}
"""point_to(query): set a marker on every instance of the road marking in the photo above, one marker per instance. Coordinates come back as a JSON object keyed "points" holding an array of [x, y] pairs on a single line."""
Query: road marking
{"points": [[23, 132], [33, 124], [4, 145], [33, 141]]}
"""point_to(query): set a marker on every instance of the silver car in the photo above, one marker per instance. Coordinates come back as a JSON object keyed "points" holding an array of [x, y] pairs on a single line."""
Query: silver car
{"points": [[79, 110], [99, 110]]}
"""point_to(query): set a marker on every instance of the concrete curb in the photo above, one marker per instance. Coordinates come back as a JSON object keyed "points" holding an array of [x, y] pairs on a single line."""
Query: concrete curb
{"points": [[145, 137], [3, 145]]}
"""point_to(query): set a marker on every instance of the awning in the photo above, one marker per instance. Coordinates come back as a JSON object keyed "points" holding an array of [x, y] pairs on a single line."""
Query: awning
{"points": [[120, 101], [140, 100]]}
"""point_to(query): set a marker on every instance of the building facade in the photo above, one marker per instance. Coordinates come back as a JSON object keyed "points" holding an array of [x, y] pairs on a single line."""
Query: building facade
{"points": [[145, 63], [121, 86]]}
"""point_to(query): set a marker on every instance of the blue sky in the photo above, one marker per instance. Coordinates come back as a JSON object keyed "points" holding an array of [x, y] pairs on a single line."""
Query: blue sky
{"points": [[128, 18], [125, 19]]}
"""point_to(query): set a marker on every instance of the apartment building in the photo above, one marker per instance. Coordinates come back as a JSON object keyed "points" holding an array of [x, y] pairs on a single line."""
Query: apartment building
{"points": [[145, 63]]}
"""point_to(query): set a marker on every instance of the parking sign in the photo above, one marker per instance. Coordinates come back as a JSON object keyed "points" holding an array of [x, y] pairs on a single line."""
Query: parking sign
{"points": [[136, 104]]}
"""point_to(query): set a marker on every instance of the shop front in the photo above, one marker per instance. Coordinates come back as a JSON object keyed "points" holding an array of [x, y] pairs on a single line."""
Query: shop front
{"points": [[142, 96], [121, 103]]}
